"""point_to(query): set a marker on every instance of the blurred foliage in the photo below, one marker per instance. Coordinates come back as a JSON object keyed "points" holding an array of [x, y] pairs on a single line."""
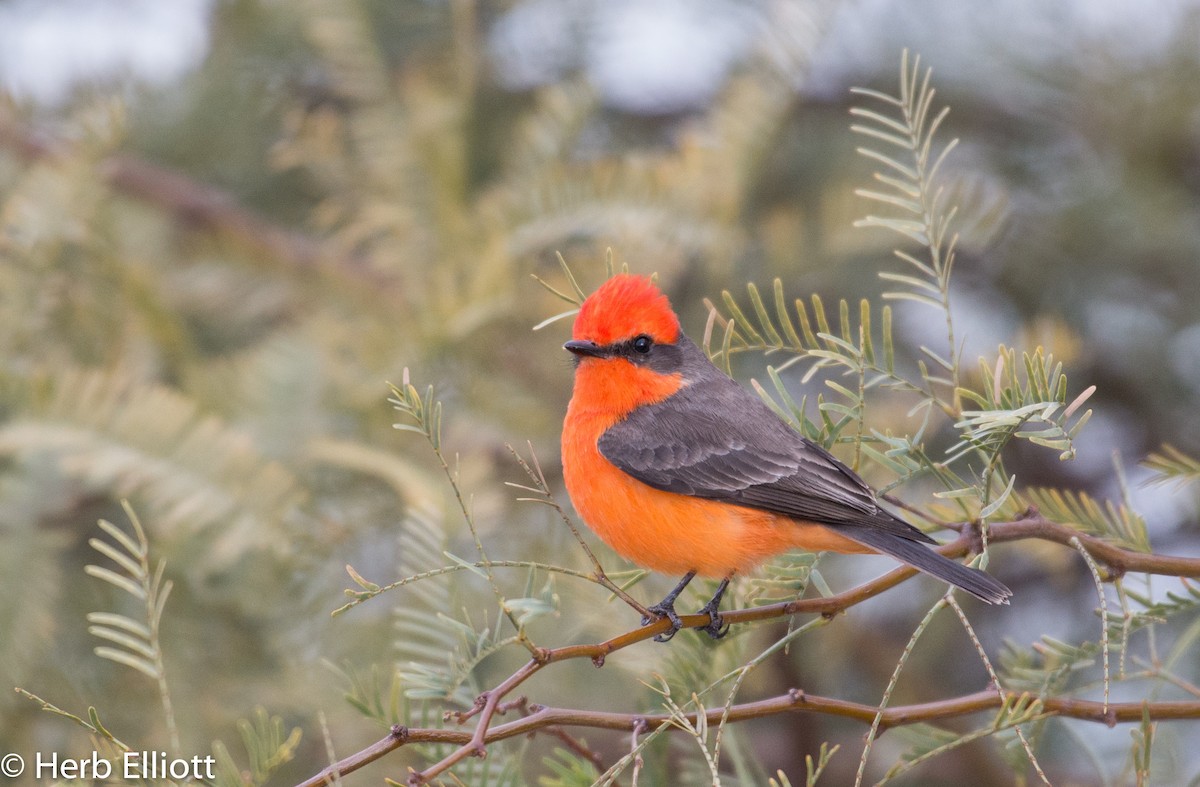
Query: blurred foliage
{"points": [[220, 358]]}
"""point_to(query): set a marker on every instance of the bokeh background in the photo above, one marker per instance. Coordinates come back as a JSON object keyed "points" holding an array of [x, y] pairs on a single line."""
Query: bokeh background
{"points": [[225, 225]]}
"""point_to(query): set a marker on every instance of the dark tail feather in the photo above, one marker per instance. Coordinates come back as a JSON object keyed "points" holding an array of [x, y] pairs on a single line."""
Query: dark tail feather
{"points": [[921, 557]]}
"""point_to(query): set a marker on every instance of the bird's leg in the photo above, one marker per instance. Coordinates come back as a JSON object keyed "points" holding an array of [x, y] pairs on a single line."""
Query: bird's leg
{"points": [[716, 627], [666, 609]]}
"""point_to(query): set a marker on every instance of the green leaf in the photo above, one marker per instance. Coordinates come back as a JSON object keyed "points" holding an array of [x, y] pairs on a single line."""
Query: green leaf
{"points": [[884, 136], [924, 300], [1171, 465], [785, 319], [875, 117], [132, 547], [910, 281], [138, 646], [555, 318], [116, 580], [891, 199], [1112, 521], [996, 504], [888, 161], [128, 659], [566, 269], [131, 565], [119, 621], [739, 317]]}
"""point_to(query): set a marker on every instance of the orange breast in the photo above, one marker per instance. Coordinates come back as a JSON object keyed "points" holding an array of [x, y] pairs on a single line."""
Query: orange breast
{"points": [[665, 531]]}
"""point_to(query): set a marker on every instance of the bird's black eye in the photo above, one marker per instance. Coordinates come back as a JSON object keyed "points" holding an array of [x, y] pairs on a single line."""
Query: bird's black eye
{"points": [[642, 344]]}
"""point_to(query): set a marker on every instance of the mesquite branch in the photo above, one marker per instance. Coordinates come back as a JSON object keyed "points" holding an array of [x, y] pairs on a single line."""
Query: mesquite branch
{"points": [[794, 701], [1117, 561], [202, 206]]}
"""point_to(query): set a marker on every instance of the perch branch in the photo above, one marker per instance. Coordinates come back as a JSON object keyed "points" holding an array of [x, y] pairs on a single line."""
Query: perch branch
{"points": [[794, 701], [1033, 526]]}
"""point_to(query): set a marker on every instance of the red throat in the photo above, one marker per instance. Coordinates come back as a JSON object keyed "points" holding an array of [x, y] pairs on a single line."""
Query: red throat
{"points": [[626, 306]]}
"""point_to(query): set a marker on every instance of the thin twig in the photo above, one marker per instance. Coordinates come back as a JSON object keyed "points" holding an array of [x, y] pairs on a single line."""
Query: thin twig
{"points": [[910, 508], [891, 686], [1118, 561], [1095, 571], [476, 746], [748, 667], [1156, 671], [578, 746], [639, 726], [794, 701], [329, 750], [360, 596], [533, 469], [999, 687], [452, 476]]}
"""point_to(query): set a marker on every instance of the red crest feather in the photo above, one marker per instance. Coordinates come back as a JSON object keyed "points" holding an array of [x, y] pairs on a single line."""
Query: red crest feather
{"points": [[626, 306]]}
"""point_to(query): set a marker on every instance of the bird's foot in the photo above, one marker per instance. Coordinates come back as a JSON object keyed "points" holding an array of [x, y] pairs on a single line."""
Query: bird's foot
{"points": [[717, 627], [664, 609]]}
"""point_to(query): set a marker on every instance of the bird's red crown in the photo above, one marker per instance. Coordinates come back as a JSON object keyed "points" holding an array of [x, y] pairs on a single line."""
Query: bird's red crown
{"points": [[626, 306]]}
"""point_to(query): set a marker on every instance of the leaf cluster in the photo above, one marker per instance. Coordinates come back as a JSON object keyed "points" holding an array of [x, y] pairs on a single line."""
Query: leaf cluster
{"points": [[224, 374], [135, 642], [1016, 396]]}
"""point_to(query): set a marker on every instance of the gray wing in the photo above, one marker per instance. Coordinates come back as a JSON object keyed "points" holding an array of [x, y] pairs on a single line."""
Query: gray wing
{"points": [[713, 439], [716, 440]]}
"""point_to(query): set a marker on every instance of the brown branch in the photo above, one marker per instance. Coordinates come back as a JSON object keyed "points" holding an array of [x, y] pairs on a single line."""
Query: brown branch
{"points": [[1033, 526], [794, 701], [1120, 561], [639, 727], [577, 746], [197, 205], [475, 745]]}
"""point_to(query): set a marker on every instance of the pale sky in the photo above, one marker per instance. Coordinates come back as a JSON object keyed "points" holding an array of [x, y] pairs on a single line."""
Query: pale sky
{"points": [[47, 47], [641, 55]]}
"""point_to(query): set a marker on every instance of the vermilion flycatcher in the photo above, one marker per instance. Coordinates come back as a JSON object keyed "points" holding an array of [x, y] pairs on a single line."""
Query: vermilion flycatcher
{"points": [[681, 470]]}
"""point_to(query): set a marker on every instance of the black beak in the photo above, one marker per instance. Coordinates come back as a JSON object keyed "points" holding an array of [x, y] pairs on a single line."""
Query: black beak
{"points": [[583, 348]]}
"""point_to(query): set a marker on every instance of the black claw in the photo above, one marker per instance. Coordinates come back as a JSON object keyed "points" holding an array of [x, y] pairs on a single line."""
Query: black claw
{"points": [[666, 609], [717, 627]]}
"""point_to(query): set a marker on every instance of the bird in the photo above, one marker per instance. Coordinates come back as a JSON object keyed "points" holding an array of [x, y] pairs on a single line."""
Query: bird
{"points": [[683, 471]]}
